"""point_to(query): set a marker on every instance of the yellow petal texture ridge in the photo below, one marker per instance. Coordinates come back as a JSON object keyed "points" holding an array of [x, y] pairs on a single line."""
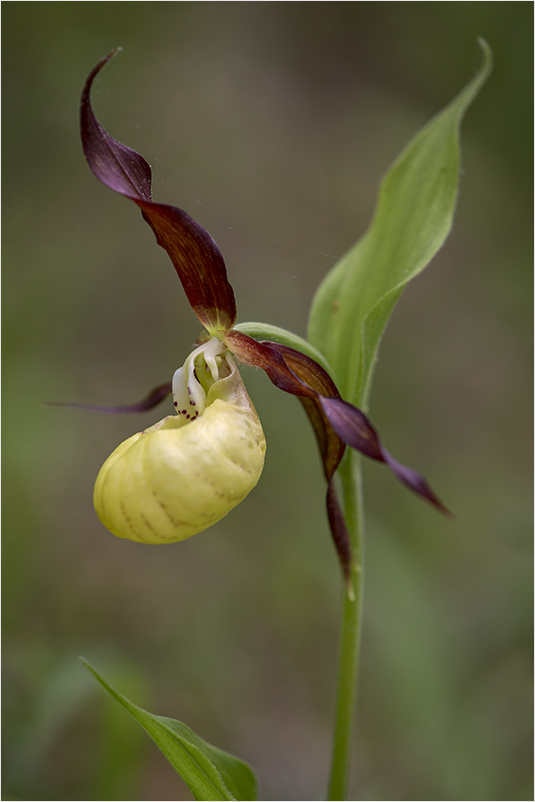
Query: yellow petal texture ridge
{"points": [[174, 479]]}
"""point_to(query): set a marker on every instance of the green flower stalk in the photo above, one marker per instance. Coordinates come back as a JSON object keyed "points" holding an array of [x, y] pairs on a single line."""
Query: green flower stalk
{"points": [[190, 469]]}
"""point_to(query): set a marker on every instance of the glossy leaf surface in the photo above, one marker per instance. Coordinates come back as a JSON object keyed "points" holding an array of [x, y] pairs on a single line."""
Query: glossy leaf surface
{"points": [[209, 772], [412, 219]]}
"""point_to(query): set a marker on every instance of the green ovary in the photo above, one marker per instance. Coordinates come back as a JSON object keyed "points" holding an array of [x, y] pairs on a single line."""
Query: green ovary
{"points": [[177, 479]]}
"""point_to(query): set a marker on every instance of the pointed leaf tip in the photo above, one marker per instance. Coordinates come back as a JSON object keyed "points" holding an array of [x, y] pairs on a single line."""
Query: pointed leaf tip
{"points": [[412, 218]]}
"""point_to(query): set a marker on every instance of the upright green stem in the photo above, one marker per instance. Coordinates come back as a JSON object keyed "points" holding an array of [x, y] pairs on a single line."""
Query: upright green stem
{"points": [[351, 476]]}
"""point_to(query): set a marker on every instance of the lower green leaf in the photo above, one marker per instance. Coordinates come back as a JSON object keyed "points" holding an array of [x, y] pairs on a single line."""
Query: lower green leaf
{"points": [[209, 773]]}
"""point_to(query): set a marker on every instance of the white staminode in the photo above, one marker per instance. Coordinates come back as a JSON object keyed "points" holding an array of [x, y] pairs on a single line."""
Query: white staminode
{"points": [[191, 381]]}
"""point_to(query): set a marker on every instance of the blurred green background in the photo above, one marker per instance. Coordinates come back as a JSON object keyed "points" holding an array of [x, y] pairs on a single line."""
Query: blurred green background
{"points": [[272, 124]]}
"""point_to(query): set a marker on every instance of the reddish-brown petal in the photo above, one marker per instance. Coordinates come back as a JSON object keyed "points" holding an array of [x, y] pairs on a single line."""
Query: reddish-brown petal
{"points": [[154, 398], [295, 373], [287, 369], [316, 378], [334, 419], [330, 445], [266, 355], [353, 427], [415, 482], [192, 250], [340, 535], [342, 420]]}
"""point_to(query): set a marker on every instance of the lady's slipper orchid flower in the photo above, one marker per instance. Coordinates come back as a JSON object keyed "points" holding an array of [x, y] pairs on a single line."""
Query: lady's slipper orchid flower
{"points": [[189, 470], [186, 472]]}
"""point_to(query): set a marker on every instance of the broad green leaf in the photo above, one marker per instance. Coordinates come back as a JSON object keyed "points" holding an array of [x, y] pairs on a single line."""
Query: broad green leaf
{"points": [[210, 773], [412, 219]]}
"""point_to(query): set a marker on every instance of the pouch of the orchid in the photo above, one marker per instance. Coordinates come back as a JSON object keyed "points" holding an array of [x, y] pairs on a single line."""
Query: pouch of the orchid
{"points": [[190, 469]]}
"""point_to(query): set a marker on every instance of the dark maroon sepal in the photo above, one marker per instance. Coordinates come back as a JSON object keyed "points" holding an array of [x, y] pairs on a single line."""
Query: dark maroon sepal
{"points": [[154, 398], [118, 167], [192, 250]]}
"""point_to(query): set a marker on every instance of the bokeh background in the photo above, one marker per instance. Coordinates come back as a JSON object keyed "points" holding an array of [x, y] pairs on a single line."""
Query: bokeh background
{"points": [[272, 124]]}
